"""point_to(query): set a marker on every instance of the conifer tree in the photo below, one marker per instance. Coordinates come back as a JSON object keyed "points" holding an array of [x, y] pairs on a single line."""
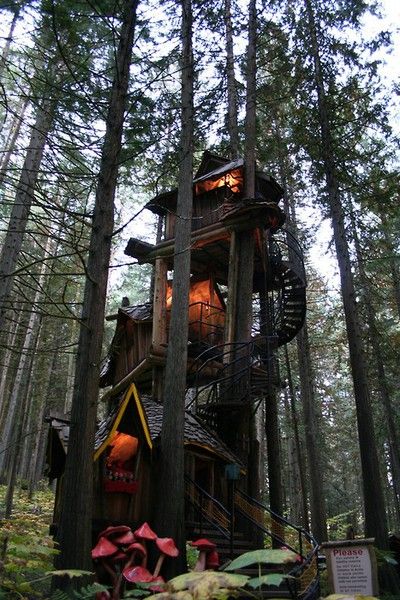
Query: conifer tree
{"points": [[74, 534]]}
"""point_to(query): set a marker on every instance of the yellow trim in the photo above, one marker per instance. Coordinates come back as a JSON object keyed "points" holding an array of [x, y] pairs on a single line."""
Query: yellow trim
{"points": [[142, 416], [131, 391]]}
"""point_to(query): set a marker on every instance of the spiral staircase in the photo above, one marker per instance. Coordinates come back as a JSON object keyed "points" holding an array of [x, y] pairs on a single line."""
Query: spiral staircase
{"points": [[243, 372]]}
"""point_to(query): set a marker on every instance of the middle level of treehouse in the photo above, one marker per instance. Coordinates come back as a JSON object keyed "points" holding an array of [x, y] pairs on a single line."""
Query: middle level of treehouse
{"points": [[221, 214]]}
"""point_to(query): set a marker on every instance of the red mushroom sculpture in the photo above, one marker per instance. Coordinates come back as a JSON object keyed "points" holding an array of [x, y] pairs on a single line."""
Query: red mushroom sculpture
{"points": [[205, 547], [167, 548]]}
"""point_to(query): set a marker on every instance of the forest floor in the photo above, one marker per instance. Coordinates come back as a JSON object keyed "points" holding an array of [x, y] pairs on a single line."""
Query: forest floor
{"points": [[27, 550]]}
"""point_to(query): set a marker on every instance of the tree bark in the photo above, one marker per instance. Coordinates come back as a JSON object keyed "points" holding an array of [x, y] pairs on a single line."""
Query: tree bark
{"points": [[375, 515], [9, 39], [312, 437], [75, 527], [300, 463], [24, 198], [12, 138], [375, 338], [310, 413], [170, 516], [231, 83]]}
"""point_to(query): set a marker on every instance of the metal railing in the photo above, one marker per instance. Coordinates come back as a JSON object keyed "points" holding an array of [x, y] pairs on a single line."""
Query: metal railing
{"points": [[240, 372], [208, 509], [284, 247], [303, 580]]}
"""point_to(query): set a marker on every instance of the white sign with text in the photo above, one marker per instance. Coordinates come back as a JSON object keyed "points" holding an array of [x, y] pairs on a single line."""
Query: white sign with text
{"points": [[352, 570]]}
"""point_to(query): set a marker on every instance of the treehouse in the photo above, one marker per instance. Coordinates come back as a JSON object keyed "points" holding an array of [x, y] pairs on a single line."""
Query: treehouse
{"points": [[125, 469], [231, 363]]}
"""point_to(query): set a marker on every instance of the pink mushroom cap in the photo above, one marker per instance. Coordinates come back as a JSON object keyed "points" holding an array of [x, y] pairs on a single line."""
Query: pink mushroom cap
{"points": [[145, 532], [167, 546], [124, 539], [104, 548], [138, 548], [112, 531], [136, 574], [203, 544]]}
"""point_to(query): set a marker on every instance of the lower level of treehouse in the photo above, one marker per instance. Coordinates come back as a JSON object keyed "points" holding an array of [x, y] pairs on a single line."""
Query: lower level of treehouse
{"points": [[125, 487], [125, 455]]}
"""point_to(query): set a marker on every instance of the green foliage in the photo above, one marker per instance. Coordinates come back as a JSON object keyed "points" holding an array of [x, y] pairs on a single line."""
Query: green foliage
{"points": [[271, 579], [192, 555], [275, 557], [27, 548], [84, 593], [338, 525]]}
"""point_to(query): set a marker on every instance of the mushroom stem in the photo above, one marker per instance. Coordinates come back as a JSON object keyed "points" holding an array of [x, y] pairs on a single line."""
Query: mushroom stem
{"points": [[158, 565], [201, 561], [109, 570]]}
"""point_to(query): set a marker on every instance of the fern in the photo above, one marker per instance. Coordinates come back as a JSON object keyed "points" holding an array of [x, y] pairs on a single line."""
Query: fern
{"points": [[85, 593], [59, 595], [89, 591]]}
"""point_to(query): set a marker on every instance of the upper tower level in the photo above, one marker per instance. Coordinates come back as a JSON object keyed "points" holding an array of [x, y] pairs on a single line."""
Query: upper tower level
{"points": [[219, 208], [218, 189]]}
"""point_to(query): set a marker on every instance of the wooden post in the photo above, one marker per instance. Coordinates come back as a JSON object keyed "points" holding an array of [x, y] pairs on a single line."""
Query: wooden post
{"points": [[159, 335]]}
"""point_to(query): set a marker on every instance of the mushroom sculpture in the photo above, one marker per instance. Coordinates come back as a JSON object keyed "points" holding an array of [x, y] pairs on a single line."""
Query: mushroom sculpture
{"points": [[145, 534], [208, 556], [102, 552], [167, 548]]}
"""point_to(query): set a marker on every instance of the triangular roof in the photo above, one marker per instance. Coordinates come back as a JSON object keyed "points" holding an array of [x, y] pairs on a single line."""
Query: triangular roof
{"points": [[140, 313], [142, 417], [210, 162], [148, 416]]}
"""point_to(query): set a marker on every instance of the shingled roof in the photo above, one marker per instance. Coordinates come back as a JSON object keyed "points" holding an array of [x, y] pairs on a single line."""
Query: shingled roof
{"points": [[138, 313], [128, 405]]}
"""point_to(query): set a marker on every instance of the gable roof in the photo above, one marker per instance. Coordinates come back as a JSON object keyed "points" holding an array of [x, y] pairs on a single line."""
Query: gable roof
{"points": [[214, 167], [139, 313], [143, 416], [148, 416]]}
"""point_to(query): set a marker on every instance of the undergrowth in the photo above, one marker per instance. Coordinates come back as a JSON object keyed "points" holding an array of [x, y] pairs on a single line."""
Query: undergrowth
{"points": [[26, 548]]}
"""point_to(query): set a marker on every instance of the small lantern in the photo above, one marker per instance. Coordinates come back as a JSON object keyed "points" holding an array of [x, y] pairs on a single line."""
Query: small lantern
{"points": [[232, 472]]}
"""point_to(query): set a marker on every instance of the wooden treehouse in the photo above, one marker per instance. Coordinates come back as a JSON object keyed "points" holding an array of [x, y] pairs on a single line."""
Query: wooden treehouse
{"points": [[229, 373]]}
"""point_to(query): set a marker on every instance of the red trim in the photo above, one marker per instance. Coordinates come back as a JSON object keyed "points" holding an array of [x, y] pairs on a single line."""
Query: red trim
{"points": [[120, 486]]}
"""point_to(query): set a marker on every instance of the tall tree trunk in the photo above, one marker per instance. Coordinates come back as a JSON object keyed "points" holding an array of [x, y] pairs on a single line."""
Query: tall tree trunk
{"points": [[12, 138], [9, 39], [375, 516], [6, 364], [75, 527], [311, 415], [170, 518], [300, 462], [24, 366], [393, 261], [312, 437], [20, 393], [231, 83], [24, 198], [375, 337]]}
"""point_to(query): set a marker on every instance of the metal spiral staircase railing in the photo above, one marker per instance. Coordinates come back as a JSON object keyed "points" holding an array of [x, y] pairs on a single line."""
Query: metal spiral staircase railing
{"points": [[262, 524], [288, 293], [232, 374]]}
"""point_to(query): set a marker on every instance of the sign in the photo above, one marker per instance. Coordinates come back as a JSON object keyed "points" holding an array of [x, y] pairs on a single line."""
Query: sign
{"points": [[351, 566]]}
